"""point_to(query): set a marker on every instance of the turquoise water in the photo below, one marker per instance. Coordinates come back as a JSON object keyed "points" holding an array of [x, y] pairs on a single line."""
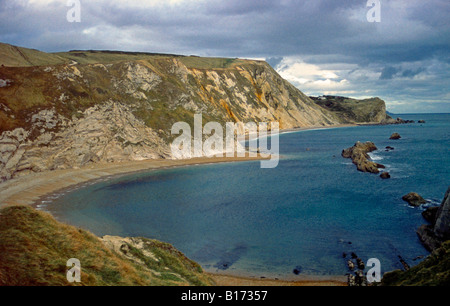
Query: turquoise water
{"points": [[237, 218]]}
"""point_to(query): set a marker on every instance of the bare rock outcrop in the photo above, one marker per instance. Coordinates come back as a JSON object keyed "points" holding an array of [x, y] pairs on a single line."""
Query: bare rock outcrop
{"points": [[414, 199], [104, 133], [438, 231], [109, 106], [359, 156], [395, 136]]}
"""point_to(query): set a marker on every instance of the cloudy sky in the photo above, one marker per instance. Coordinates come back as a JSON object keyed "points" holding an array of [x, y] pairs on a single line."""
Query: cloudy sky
{"points": [[321, 46]]}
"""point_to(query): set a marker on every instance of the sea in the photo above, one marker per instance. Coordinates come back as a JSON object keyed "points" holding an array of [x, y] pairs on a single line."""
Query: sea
{"points": [[307, 216]]}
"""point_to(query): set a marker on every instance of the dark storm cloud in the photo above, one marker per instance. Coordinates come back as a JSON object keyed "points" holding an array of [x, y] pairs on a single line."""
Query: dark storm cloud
{"points": [[408, 73], [388, 73], [409, 44]]}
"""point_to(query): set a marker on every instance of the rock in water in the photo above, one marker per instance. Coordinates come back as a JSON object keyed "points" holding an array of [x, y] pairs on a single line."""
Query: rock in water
{"points": [[414, 199], [385, 175], [421, 121], [395, 136], [350, 265], [359, 156], [297, 270], [360, 263]]}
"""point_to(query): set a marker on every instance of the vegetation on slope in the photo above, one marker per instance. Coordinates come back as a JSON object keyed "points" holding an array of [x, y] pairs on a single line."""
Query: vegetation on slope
{"points": [[13, 56], [353, 110], [34, 249], [433, 271]]}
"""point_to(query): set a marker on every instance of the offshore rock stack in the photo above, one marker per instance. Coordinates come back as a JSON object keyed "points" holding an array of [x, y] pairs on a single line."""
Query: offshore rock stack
{"points": [[359, 156]]}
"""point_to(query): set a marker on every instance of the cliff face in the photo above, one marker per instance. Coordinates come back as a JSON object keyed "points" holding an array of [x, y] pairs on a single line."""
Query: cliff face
{"points": [[434, 234], [112, 106], [66, 110], [435, 269]]}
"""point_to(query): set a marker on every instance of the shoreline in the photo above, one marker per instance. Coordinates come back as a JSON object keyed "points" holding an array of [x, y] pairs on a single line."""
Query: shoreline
{"points": [[300, 129], [243, 281], [28, 189], [32, 189]]}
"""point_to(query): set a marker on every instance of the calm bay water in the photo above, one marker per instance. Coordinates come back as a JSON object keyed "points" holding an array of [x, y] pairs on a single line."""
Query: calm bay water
{"points": [[239, 219]]}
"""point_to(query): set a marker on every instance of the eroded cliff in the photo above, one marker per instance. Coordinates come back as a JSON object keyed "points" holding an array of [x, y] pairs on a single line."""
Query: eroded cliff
{"points": [[66, 110]]}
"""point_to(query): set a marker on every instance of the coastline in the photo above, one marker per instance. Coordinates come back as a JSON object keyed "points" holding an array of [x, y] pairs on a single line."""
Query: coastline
{"points": [[247, 137], [242, 281], [31, 189], [26, 190]]}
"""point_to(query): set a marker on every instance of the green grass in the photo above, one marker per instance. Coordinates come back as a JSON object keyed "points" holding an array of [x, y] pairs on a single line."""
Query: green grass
{"points": [[433, 271], [13, 56], [34, 249]]}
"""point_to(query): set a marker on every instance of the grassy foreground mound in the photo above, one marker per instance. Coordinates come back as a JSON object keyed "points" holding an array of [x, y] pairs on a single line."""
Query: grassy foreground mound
{"points": [[433, 271], [35, 248]]}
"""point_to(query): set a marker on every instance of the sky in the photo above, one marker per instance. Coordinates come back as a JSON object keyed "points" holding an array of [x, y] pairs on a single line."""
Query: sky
{"points": [[323, 47]]}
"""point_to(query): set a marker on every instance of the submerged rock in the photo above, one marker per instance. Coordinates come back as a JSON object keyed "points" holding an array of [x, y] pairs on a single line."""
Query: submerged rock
{"points": [[297, 270], [414, 199], [385, 175]]}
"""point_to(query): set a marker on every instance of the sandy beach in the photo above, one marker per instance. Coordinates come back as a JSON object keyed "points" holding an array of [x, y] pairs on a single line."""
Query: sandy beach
{"points": [[228, 280], [253, 136], [29, 189]]}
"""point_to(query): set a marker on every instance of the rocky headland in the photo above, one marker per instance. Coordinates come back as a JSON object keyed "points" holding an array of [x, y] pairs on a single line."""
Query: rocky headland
{"points": [[72, 109], [80, 109]]}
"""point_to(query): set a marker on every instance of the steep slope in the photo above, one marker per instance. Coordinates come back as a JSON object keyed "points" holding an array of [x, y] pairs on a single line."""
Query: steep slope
{"points": [[350, 110], [35, 248], [110, 106], [435, 269]]}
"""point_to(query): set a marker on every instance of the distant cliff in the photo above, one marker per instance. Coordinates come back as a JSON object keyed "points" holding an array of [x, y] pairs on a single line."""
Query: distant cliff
{"points": [[65, 110], [350, 110]]}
